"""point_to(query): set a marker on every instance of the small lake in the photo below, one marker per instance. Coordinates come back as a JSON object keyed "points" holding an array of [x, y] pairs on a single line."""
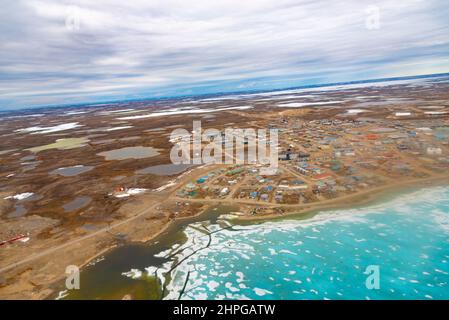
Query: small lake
{"points": [[165, 169], [139, 152], [19, 211], [71, 171], [442, 133], [28, 158], [19, 208], [27, 166], [77, 203], [103, 141]]}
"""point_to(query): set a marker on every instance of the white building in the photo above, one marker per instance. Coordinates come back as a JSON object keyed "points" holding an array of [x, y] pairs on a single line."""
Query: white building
{"points": [[433, 151]]}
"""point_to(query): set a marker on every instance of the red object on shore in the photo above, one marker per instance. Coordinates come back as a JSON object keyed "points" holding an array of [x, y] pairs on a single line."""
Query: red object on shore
{"points": [[12, 239], [372, 136]]}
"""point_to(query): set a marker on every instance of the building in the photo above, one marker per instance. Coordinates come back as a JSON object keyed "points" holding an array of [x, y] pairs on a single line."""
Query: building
{"points": [[434, 151]]}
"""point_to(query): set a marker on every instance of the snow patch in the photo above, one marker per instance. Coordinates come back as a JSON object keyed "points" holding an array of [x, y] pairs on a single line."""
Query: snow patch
{"points": [[43, 130], [20, 196]]}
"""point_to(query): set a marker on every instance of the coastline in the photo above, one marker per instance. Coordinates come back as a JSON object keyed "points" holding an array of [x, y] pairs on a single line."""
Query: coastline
{"points": [[360, 199], [378, 199]]}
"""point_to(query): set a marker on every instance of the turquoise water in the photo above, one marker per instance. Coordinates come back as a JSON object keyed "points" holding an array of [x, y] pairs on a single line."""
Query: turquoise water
{"points": [[323, 257]]}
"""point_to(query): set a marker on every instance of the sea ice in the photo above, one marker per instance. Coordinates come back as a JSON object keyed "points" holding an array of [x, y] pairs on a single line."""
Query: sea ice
{"points": [[261, 292], [133, 273]]}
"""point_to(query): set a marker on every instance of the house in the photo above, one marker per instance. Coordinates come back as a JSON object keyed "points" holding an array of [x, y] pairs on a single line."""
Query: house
{"points": [[336, 166], [191, 186], [303, 155], [434, 151], [224, 191]]}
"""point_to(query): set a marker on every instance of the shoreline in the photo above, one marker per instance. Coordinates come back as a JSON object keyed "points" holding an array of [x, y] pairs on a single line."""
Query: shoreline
{"points": [[107, 250], [374, 196], [380, 196], [360, 199]]}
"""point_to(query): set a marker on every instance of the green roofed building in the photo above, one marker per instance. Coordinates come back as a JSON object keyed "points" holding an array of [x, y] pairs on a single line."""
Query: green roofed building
{"points": [[235, 171]]}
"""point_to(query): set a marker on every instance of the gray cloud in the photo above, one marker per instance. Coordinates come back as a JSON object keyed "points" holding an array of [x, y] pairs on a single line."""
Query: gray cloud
{"points": [[72, 51]]}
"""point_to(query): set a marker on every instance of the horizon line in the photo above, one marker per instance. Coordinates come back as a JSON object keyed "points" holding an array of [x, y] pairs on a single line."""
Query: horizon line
{"points": [[223, 93]]}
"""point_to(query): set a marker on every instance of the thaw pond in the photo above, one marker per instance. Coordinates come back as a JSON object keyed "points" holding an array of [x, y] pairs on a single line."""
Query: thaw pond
{"points": [[165, 169], [19, 208], [77, 203], [72, 171], [139, 152], [19, 211]]}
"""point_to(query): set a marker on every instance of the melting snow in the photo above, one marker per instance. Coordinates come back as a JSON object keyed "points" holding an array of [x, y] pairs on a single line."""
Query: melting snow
{"points": [[43, 130], [20, 196]]}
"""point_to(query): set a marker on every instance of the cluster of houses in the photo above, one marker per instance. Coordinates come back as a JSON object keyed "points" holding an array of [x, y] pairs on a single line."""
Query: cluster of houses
{"points": [[327, 158]]}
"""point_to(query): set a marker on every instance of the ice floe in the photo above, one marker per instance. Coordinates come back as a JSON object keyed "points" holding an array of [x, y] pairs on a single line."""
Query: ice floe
{"points": [[261, 292], [62, 294], [133, 273]]}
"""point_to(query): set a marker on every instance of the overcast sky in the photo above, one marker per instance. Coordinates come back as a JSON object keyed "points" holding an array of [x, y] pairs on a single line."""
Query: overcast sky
{"points": [[62, 52]]}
